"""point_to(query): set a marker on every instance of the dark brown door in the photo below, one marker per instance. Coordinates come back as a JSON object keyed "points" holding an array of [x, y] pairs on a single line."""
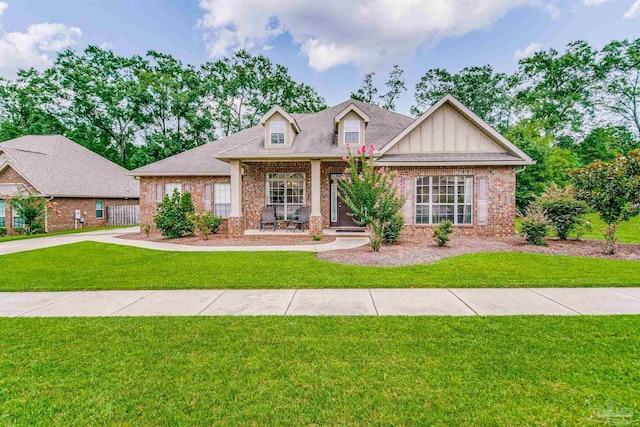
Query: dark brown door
{"points": [[340, 211], [344, 219]]}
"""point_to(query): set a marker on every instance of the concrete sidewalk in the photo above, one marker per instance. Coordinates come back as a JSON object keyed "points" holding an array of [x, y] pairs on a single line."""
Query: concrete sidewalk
{"points": [[324, 302], [110, 236]]}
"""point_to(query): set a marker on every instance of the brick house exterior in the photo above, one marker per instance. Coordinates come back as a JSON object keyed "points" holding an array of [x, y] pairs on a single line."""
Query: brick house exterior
{"points": [[37, 163], [452, 166]]}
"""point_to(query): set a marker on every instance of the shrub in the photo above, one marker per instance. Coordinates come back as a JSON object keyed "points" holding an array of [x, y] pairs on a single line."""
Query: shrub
{"points": [[534, 226], [33, 209], [205, 222], [442, 232], [316, 238], [563, 211], [612, 190], [172, 219], [3, 231], [582, 229], [370, 194], [391, 232], [147, 230]]}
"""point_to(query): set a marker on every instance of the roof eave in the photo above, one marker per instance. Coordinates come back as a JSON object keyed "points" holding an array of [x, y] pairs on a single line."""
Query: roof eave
{"points": [[453, 163], [178, 173]]}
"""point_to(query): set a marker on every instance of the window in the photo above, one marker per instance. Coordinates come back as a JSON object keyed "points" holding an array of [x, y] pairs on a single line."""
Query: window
{"points": [[441, 198], [352, 131], [276, 129], [222, 199], [99, 210], [170, 187], [17, 221], [286, 191], [3, 213]]}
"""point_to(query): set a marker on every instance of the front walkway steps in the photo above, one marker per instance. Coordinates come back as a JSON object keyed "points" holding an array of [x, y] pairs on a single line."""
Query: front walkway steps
{"points": [[324, 302], [109, 236]]}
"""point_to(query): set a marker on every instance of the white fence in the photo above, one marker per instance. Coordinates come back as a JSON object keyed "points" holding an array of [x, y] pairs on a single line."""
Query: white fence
{"points": [[123, 215]]}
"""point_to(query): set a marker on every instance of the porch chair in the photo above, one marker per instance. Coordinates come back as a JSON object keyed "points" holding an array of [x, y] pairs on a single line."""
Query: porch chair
{"points": [[303, 218], [268, 216]]}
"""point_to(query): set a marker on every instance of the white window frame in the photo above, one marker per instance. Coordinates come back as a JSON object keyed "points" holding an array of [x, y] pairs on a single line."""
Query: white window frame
{"points": [[170, 186], [222, 199], [3, 213], [351, 127], [101, 209], [15, 217], [430, 204], [281, 130], [286, 210]]}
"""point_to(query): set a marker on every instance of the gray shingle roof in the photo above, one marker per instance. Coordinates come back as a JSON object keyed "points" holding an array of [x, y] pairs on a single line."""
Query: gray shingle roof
{"points": [[59, 167]]}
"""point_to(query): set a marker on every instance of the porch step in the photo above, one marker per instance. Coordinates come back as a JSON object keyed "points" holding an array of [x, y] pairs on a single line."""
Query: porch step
{"points": [[345, 232]]}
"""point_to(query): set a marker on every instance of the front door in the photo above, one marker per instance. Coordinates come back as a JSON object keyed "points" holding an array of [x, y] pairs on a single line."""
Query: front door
{"points": [[339, 210]]}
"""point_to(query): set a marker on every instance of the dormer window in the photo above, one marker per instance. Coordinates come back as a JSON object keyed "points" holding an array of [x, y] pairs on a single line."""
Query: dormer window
{"points": [[352, 132], [277, 129]]}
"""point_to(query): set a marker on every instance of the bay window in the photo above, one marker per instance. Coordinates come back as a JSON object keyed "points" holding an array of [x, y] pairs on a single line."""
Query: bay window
{"points": [[441, 198], [286, 191]]}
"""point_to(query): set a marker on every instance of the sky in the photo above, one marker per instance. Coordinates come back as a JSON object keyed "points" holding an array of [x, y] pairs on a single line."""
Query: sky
{"points": [[328, 44]]}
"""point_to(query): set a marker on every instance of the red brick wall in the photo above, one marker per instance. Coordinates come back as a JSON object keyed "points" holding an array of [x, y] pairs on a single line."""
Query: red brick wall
{"points": [[197, 183], [65, 206]]}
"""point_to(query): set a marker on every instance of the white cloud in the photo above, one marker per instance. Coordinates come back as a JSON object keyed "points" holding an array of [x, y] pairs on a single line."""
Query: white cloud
{"points": [[594, 2], [34, 47], [527, 51], [633, 11], [367, 33], [553, 10]]}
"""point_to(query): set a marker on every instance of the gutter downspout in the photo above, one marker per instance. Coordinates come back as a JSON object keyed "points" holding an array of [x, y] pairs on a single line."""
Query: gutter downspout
{"points": [[521, 170]]}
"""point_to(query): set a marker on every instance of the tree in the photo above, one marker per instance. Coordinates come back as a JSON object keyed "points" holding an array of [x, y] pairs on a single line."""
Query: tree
{"points": [[368, 92], [370, 193], [395, 85], [604, 143], [612, 189], [558, 88], [104, 95], [480, 89], [621, 86], [32, 209]]}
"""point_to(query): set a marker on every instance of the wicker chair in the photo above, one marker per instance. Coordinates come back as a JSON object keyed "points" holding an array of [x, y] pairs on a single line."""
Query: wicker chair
{"points": [[268, 216]]}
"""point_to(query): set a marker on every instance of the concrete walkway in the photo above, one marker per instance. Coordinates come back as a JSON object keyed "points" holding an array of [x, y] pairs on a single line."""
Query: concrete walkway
{"points": [[324, 302], [109, 236]]}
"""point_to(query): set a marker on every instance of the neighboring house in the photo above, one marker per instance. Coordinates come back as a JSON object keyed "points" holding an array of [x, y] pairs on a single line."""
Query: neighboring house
{"points": [[453, 166], [74, 177]]}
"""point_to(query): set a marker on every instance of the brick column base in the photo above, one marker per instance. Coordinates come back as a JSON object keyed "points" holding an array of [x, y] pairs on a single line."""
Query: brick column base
{"points": [[315, 225], [235, 226]]}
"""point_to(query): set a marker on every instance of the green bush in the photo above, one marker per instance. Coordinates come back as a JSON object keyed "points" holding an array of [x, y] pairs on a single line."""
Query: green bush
{"points": [[3, 231], [534, 226], [391, 232], [316, 238], [442, 232], [205, 222], [172, 218], [563, 211]]}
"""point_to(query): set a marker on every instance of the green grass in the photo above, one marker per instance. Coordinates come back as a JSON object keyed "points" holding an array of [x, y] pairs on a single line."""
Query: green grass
{"points": [[628, 232], [516, 371], [91, 265], [56, 233]]}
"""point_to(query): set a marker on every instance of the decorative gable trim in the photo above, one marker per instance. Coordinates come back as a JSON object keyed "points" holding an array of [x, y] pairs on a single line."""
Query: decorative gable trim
{"points": [[277, 109], [352, 107], [468, 114]]}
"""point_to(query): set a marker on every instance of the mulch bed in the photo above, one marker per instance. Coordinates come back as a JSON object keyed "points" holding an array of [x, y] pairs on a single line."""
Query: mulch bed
{"points": [[224, 240], [421, 249]]}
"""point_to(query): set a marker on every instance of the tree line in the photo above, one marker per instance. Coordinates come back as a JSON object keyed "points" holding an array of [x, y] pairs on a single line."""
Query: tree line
{"points": [[565, 109]]}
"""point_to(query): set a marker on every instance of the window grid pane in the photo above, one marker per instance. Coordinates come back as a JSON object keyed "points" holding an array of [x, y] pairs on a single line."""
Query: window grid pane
{"points": [[286, 191], [352, 131], [277, 129], [440, 198], [3, 213], [222, 199], [170, 187]]}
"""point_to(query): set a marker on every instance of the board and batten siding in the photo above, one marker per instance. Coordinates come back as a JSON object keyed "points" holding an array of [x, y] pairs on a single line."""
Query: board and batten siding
{"points": [[446, 131]]}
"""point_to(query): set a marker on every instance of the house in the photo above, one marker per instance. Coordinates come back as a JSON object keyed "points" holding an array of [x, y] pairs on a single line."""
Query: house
{"points": [[453, 166], [68, 174]]}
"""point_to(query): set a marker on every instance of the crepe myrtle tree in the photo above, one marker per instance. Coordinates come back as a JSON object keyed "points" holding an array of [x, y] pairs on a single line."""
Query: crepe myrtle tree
{"points": [[611, 189], [370, 193], [32, 209]]}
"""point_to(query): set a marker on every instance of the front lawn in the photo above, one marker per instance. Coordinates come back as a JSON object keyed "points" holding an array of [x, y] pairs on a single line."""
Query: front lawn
{"points": [[57, 233], [91, 265], [516, 371]]}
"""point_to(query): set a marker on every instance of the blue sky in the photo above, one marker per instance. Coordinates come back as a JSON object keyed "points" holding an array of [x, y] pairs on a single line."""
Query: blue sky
{"points": [[328, 44]]}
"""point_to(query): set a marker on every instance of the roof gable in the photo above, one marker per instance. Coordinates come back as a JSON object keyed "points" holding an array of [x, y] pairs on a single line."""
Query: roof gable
{"points": [[277, 109], [352, 108]]}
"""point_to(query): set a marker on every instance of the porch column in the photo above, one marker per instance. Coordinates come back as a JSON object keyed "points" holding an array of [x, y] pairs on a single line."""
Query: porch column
{"points": [[315, 220], [235, 214]]}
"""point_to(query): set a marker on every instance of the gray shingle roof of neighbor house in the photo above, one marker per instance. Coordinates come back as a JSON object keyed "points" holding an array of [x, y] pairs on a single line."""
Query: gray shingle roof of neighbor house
{"points": [[317, 139], [58, 167]]}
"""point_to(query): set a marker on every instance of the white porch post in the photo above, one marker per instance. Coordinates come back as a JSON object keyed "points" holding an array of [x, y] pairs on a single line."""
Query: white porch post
{"points": [[236, 189], [315, 188]]}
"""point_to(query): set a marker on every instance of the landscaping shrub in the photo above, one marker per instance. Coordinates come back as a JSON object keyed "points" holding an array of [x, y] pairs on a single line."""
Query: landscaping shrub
{"points": [[3, 231], [442, 232], [205, 222], [172, 217], [370, 193], [534, 226], [563, 211], [391, 232], [316, 238], [32, 209], [147, 230], [612, 190]]}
